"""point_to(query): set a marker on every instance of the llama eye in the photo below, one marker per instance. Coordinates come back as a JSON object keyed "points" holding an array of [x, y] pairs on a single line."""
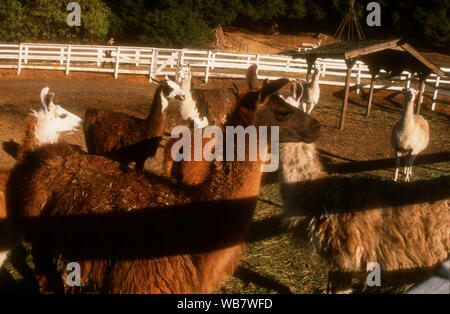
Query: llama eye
{"points": [[282, 115], [62, 116]]}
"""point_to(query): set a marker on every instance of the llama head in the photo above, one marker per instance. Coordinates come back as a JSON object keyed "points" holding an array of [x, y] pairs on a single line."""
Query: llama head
{"points": [[168, 89], [317, 69], [52, 119], [295, 96], [410, 94], [182, 73], [270, 110]]}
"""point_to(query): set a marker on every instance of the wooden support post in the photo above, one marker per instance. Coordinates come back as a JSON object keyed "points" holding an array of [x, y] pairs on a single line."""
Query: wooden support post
{"points": [[435, 93], [350, 64], [421, 88], [310, 60], [369, 103], [358, 79]]}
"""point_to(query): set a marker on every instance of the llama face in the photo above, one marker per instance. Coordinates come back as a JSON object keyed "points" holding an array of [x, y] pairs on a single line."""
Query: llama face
{"points": [[183, 73], [294, 124], [410, 94], [52, 119], [172, 90]]}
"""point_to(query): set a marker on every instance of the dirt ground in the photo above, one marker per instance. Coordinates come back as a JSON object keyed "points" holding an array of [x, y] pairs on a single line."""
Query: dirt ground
{"points": [[273, 263]]}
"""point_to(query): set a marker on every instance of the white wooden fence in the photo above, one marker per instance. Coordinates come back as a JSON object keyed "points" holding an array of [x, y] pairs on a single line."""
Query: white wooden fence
{"points": [[204, 63]]}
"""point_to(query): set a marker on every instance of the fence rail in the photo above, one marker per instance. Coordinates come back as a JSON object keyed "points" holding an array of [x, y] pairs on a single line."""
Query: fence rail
{"points": [[204, 63]]}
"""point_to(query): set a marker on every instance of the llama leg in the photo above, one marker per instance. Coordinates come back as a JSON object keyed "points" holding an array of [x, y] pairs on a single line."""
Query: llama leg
{"points": [[397, 165], [311, 108], [410, 162], [140, 164], [339, 282], [304, 106]]}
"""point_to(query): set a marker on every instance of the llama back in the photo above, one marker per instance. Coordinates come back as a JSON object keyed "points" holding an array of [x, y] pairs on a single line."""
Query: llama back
{"points": [[215, 104], [367, 221]]}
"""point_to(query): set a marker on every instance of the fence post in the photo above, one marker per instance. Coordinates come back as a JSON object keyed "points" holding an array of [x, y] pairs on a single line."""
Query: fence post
{"points": [[182, 57], [61, 58], [324, 69], [213, 60], [208, 59], [99, 56], [288, 63], [358, 79], [138, 57], [116, 68], [26, 55], [69, 48], [19, 64], [435, 94], [153, 65]]}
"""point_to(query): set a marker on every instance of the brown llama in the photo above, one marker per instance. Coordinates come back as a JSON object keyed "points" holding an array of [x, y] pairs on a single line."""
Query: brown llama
{"points": [[203, 107], [127, 139], [133, 232], [358, 220], [194, 172]]}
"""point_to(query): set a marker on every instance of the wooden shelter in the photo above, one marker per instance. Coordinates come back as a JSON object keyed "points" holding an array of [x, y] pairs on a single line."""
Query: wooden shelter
{"points": [[394, 56]]}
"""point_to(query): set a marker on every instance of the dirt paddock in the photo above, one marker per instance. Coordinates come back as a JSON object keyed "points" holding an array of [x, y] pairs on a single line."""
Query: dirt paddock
{"points": [[273, 263]]}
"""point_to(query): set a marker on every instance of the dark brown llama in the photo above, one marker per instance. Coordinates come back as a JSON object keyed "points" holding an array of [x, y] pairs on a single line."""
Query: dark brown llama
{"points": [[127, 139], [132, 232]]}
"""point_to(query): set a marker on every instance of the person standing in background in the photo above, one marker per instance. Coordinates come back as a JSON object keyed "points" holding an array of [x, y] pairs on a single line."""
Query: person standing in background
{"points": [[108, 52]]}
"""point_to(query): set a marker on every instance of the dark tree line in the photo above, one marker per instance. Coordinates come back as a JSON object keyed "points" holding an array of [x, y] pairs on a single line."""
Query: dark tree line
{"points": [[190, 23]]}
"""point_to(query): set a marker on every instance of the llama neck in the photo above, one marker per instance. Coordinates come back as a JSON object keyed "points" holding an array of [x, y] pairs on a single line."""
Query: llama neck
{"points": [[408, 111], [188, 108], [156, 118], [299, 162], [300, 168], [315, 80], [39, 131]]}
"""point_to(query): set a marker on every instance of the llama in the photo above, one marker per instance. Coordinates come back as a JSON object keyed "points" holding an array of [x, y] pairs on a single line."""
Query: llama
{"points": [[311, 92], [358, 220], [410, 135], [43, 127], [193, 172], [127, 139], [203, 107], [134, 232]]}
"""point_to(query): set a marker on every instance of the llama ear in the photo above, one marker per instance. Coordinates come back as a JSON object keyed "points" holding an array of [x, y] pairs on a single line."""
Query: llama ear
{"points": [[271, 88], [236, 90], [44, 92], [49, 101], [251, 77], [265, 82], [298, 89], [155, 81]]}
